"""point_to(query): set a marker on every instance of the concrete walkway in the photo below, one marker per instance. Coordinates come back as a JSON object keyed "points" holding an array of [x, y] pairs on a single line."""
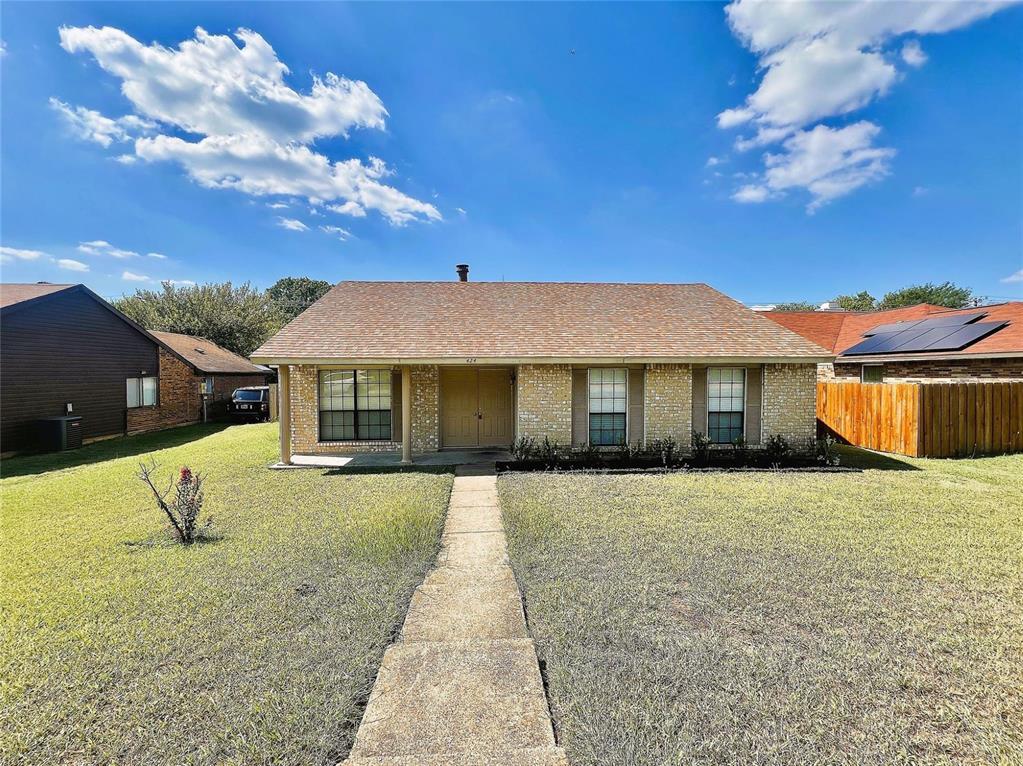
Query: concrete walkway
{"points": [[462, 687]]}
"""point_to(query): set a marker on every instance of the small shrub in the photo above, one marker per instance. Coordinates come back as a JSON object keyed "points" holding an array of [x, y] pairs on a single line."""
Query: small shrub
{"points": [[740, 450], [666, 449], [588, 453], [524, 448], [825, 452], [184, 508], [701, 447], [777, 448], [549, 450]]}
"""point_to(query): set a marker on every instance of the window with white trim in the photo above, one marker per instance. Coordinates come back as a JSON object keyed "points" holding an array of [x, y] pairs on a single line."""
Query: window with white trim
{"points": [[608, 394], [872, 373], [142, 391], [355, 405], [726, 403]]}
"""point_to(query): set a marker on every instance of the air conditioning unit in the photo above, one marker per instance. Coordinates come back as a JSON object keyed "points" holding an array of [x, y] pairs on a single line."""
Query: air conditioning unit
{"points": [[60, 433]]}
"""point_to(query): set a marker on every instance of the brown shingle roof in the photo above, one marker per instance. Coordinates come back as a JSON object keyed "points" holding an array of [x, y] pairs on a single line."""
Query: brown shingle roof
{"points": [[13, 293], [843, 330], [545, 320], [205, 355]]}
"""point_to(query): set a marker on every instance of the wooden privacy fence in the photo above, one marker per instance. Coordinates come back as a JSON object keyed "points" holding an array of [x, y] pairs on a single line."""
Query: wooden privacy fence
{"points": [[925, 419]]}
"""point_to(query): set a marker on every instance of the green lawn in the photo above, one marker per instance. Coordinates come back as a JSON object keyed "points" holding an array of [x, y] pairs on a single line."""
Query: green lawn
{"points": [[119, 647], [857, 618]]}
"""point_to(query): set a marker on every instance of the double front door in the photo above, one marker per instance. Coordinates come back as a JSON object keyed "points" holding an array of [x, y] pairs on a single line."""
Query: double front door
{"points": [[476, 407]]}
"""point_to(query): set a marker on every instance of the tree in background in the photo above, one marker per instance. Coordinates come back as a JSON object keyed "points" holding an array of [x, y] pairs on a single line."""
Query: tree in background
{"points": [[862, 301], [293, 295], [237, 318], [796, 306], [946, 294]]}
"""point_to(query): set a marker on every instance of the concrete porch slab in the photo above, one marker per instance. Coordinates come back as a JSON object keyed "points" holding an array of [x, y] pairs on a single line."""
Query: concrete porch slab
{"points": [[388, 459], [534, 756]]}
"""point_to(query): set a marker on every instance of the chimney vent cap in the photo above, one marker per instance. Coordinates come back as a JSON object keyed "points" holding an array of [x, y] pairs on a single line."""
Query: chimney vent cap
{"points": [[463, 272]]}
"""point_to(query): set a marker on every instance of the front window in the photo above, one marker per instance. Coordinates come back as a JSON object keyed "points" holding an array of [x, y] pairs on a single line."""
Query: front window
{"points": [[872, 373], [355, 405], [726, 397], [607, 406], [142, 392], [242, 395]]}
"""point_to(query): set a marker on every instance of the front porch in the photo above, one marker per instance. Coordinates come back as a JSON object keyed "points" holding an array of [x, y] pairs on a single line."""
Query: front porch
{"points": [[392, 459]]}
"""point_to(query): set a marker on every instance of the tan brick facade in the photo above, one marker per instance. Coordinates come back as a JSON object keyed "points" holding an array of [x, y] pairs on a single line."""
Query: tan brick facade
{"points": [[790, 403], [545, 402], [305, 415], [668, 403], [425, 408]]}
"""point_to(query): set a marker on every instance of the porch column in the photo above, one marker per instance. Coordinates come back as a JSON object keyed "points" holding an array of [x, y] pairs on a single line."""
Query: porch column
{"points": [[284, 411], [406, 414]]}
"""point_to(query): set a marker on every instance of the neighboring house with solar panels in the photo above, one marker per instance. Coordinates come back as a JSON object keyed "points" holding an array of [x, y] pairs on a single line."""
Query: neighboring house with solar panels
{"points": [[922, 343], [421, 366]]}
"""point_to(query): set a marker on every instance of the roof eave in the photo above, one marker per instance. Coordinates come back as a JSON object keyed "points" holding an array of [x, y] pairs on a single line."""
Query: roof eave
{"points": [[287, 359], [926, 357]]}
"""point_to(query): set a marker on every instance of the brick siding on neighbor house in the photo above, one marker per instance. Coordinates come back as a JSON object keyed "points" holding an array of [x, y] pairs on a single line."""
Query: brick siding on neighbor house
{"points": [[937, 371], [545, 402], [668, 403], [790, 403], [178, 398], [305, 415]]}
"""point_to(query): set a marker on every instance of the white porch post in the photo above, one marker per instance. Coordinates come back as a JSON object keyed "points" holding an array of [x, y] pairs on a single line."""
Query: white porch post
{"points": [[406, 414], [284, 411]]}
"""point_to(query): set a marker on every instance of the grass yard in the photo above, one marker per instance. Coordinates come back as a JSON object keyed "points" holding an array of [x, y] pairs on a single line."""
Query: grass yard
{"points": [[120, 647], [870, 618]]}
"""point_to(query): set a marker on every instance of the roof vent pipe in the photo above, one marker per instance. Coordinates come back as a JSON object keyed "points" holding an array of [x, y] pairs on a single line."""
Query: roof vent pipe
{"points": [[463, 272]]}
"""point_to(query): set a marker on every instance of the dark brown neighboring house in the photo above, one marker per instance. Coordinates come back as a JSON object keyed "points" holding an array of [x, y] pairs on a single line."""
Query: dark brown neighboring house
{"points": [[63, 346], [994, 352]]}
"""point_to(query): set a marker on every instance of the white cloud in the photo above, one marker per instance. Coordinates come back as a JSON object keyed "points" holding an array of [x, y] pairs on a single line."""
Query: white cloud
{"points": [[913, 54], [253, 129], [1014, 278], [461, 211], [712, 161], [181, 282], [351, 208], [90, 125], [337, 231], [10, 254], [131, 276], [823, 60], [291, 224], [277, 205], [751, 193], [159, 256], [71, 264], [920, 191], [102, 247], [126, 159], [212, 86]]}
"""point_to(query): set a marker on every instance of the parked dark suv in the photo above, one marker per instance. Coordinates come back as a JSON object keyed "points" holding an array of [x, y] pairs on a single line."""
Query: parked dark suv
{"points": [[250, 403]]}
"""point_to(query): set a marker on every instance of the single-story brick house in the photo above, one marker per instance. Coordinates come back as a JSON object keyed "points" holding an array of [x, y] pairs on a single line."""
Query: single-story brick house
{"points": [[66, 351], [994, 355], [422, 366]]}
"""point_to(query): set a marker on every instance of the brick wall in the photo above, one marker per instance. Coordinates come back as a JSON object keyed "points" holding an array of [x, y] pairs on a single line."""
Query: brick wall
{"points": [[545, 402], [668, 403], [790, 402], [178, 399], [939, 371], [305, 415], [425, 408]]}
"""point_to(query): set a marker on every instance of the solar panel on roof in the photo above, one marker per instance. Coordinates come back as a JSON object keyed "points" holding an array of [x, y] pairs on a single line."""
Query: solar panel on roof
{"points": [[964, 336], [926, 336], [953, 320]]}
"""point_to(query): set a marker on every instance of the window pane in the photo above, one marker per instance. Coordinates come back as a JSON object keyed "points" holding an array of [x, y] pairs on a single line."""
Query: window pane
{"points": [[149, 391], [872, 373], [607, 405], [133, 392]]}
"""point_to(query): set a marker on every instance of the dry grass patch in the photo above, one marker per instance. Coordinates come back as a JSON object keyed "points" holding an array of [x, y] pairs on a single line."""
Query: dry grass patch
{"points": [[778, 619], [120, 646]]}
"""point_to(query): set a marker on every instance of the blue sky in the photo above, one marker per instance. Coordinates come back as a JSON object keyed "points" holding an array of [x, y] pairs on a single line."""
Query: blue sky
{"points": [[776, 156]]}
